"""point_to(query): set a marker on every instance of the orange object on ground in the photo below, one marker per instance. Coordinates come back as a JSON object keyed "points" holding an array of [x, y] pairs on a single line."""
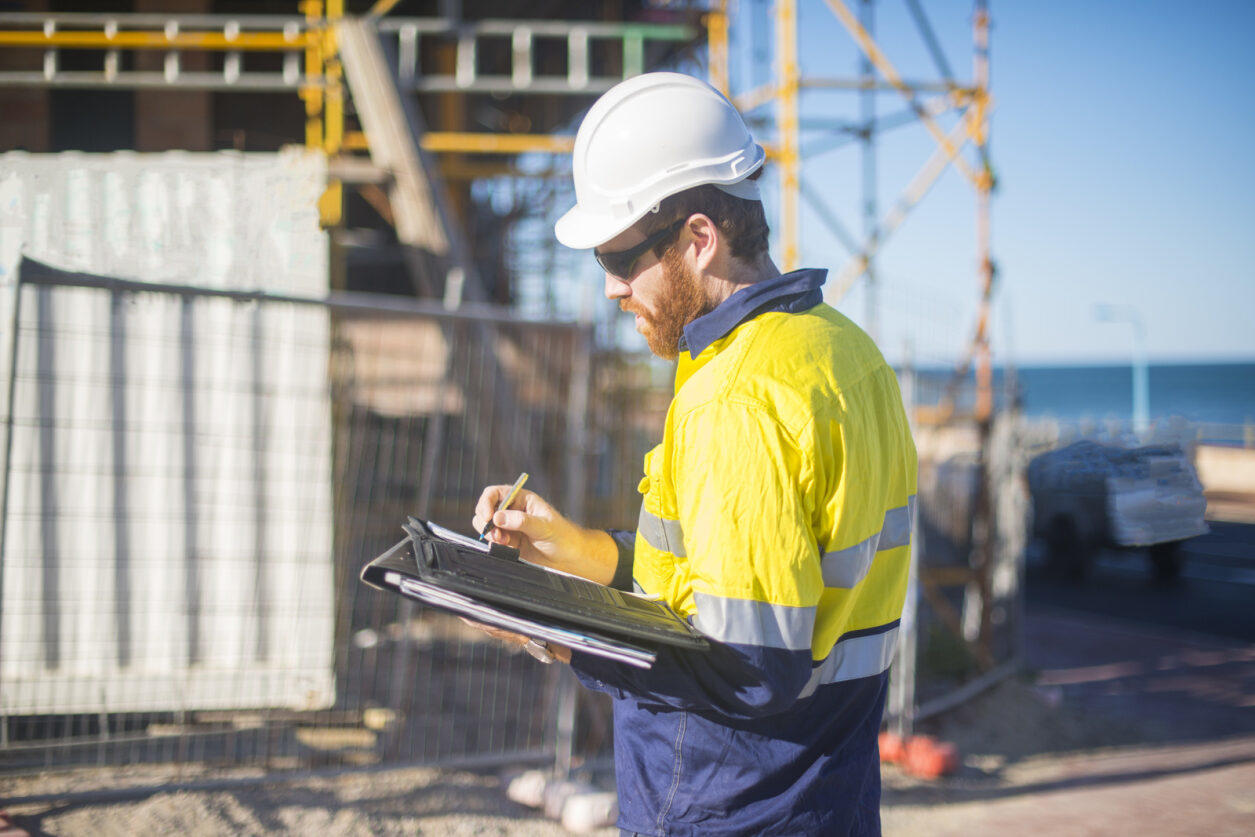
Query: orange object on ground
{"points": [[8, 829], [892, 748], [929, 758], [919, 755]]}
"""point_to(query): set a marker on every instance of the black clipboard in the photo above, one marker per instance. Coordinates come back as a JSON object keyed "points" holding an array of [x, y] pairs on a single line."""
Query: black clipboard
{"points": [[456, 573]]}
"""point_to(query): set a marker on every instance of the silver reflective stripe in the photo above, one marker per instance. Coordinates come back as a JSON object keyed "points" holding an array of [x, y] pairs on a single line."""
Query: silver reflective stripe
{"points": [[847, 567], [661, 533], [897, 527], [858, 656], [749, 622]]}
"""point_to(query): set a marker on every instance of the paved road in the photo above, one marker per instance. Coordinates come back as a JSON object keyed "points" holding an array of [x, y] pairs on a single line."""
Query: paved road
{"points": [[1165, 791], [1215, 594], [1172, 685], [1139, 717]]}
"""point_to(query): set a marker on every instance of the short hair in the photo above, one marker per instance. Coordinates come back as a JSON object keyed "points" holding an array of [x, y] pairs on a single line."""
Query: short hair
{"points": [[742, 223]]}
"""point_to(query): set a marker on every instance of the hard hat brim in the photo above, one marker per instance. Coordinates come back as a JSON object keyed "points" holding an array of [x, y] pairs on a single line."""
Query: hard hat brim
{"points": [[580, 229], [583, 230]]}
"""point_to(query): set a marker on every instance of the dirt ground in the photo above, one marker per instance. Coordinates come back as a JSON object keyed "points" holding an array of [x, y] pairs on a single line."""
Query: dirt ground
{"points": [[401, 802], [1029, 764], [1160, 740]]}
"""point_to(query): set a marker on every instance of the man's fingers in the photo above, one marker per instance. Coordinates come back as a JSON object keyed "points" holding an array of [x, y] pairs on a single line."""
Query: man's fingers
{"points": [[495, 632], [518, 521], [491, 497], [503, 537], [487, 504]]}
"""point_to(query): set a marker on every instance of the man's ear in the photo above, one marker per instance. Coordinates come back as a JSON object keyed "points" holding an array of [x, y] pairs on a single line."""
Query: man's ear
{"points": [[705, 236]]}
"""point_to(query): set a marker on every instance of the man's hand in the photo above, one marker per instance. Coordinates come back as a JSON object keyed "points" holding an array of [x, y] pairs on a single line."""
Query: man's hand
{"points": [[543, 536], [560, 652]]}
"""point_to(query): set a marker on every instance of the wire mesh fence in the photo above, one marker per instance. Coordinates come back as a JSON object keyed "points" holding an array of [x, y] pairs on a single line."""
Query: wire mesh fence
{"points": [[193, 481]]}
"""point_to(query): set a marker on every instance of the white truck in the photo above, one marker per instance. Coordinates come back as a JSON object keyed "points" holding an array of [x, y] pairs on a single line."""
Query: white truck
{"points": [[1089, 496]]}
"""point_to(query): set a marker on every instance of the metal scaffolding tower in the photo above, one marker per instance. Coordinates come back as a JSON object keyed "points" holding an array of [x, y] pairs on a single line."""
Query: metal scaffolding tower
{"points": [[926, 100]]}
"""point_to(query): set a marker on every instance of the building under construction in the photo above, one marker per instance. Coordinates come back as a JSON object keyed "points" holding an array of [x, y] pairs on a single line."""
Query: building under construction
{"points": [[412, 108], [277, 277]]}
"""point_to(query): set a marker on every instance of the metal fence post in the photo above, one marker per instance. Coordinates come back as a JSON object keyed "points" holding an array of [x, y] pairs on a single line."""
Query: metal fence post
{"points": [[433, 437], [8, 467], [576, 486], [902, 688], [8, 422]]}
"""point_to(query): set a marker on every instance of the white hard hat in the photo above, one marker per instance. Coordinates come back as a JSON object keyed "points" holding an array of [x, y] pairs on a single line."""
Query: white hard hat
{"points": [[649, 137]]}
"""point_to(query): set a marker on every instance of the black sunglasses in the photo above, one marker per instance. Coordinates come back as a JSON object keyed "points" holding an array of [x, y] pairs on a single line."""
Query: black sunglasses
{"points": [[620, 264]]}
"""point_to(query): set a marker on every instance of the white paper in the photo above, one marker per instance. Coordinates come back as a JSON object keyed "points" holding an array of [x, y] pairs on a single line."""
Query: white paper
{"points": [[480, 612], [460, 540]]}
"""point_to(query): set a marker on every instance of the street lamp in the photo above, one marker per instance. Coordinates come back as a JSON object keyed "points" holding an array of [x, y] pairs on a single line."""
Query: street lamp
{"points": [[1141, 386]]}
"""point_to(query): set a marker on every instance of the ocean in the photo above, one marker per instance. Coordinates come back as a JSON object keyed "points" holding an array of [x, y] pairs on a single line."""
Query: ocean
{"points": [[1216, 393], [1212, 393]]}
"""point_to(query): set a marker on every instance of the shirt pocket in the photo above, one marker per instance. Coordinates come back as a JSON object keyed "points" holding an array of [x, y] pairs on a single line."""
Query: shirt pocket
{"points": [[655, 561], [647, 478]]}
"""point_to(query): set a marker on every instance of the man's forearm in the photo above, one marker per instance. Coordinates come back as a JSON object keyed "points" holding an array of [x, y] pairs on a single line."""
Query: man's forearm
{"points": [[598, 559]]}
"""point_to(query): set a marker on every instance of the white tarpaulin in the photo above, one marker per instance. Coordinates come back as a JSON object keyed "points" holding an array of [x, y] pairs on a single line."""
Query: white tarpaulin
{"points": [[168, 530]]}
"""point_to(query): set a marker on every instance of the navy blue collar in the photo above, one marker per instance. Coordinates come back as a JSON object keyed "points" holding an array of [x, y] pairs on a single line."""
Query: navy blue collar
{"points": [[792, 293]]}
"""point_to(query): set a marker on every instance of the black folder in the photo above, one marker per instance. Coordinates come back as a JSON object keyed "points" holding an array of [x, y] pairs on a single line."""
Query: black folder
{"points": [[455, 573]]}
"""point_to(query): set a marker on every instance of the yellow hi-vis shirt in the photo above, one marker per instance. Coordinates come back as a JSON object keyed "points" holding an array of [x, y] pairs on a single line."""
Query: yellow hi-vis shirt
{"points": [[777, 509]]}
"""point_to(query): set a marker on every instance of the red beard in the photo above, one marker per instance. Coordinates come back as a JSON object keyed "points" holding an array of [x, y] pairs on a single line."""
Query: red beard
{"points": [[684, 300]]}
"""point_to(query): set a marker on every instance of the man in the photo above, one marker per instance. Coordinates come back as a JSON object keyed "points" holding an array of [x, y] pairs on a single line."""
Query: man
{"points": [[777, 509]]}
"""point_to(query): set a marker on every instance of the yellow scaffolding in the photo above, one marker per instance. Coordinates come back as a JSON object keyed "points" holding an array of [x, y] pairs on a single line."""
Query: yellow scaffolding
{"points": [[175, 40], [324, 102]]}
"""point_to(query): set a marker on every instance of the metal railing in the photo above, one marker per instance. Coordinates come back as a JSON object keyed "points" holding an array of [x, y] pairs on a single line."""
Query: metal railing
{"points": [[309, 63], [235, 35], [120, 36], [517, 38]]}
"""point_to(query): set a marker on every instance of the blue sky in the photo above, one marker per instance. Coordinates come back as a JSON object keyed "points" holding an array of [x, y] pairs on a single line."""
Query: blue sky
{"points": [[1123, 140]]}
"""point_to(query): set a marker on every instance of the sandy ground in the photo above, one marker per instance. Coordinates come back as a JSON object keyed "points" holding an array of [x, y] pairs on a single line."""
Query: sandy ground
{"points": [[1160, 740], [412, 801], [1032, 765]]}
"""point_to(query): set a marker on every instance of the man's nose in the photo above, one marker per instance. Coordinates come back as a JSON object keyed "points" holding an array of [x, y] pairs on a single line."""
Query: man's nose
{"points": [[616, 288]]}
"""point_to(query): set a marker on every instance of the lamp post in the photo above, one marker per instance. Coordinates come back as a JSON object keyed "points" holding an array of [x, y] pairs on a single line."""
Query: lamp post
{"points": [[1141, 379]]}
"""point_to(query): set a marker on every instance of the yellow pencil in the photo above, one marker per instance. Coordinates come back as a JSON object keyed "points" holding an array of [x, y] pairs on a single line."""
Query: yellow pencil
{"points": [[505, 503]]}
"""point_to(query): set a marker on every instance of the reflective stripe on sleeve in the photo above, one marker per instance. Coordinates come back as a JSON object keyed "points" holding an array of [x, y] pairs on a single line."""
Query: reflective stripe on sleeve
{"points": [[845, 568], [660, 533], [749, 622], [853, 657]]}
